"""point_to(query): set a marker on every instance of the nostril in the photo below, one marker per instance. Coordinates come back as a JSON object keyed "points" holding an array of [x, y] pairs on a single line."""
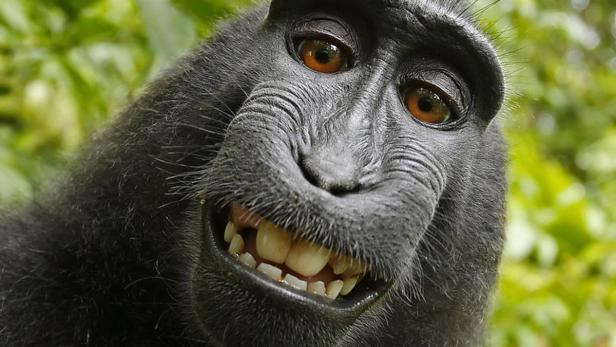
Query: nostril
{"points": [[331, 174], [342, 191]]}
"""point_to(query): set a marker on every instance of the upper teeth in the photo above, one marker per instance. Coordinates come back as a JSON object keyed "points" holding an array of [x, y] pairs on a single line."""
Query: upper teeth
{"points": [[273, 243], [339, 263], [230, 231], [274, 247], [307, 258]]}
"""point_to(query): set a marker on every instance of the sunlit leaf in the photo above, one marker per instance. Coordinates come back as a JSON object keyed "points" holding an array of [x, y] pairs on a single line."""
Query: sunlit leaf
{"points": [[169, 32]]}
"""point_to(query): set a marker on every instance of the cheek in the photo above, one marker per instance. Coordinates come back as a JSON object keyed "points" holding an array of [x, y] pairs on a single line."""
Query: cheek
{"points": [[431, 156], [273, 57], [455, 150]]}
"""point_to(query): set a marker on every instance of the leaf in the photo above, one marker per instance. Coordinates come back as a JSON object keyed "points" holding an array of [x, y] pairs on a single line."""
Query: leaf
{"points": [[169, 32], [209, 10], [87, 30]]}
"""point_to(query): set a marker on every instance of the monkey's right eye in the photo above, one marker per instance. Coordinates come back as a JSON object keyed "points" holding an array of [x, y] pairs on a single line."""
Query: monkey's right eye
{"points": [[322, 56]]}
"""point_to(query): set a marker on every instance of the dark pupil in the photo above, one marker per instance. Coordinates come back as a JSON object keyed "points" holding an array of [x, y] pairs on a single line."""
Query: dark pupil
{"points": [[324, 55], [425, 104]]}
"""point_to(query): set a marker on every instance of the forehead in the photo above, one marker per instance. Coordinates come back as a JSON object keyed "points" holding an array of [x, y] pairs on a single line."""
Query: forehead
{"points": [[411, 15], [397, 17], [401, 8], [452, 6], [433, 23]]}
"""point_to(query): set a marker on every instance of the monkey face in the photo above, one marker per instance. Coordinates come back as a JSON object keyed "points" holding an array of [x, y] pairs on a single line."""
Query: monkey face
{"points": [[337, 205], [352, 185]]}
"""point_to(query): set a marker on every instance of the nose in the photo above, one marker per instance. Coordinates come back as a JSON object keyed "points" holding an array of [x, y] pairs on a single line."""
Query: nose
{"points": [[331, 169]]}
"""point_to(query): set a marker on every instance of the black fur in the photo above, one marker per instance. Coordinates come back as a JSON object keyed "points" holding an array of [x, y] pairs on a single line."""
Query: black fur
{"points": [[116, 254]]}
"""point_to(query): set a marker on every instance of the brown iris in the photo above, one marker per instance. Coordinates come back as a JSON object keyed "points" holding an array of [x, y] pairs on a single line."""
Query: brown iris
{"points": [[322, 56], [427, 106]]}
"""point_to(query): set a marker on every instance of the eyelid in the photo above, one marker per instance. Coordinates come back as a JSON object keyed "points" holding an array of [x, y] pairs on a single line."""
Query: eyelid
{"points": [[325, 37], [330, 29], [297, 39], [456, 108], [446, 86]]}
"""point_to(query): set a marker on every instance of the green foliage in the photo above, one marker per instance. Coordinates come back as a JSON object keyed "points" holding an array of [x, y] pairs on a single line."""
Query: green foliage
{"points": [[67, 65], [558, 283]]}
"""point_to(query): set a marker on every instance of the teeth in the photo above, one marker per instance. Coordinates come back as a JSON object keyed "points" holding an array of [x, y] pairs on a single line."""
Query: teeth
{"points": [[348, 286], [295, 282], [356, 268], [230, 231], [237, 245], [339, 263], [273, 243], [334, 288], [307, 258], [270, 271], [316, 288], [248, 260], [277, 245]]}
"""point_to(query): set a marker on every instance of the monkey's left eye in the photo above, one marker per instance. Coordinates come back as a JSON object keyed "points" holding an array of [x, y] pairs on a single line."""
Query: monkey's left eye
{"points": [[427, 106], [322, 56]]}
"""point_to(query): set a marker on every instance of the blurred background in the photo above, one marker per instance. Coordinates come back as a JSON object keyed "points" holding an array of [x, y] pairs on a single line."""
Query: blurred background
{"points": [[67, 66]]}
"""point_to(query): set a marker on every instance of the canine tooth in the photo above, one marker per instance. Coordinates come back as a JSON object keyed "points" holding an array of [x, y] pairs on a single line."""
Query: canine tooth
{"points": [[334, 288], [295, 282], [248, 260], [348, 286], [307, 258], [339, 263], [230, 231], [270, 271], [237, 244], [316, 288], [273, 243]]}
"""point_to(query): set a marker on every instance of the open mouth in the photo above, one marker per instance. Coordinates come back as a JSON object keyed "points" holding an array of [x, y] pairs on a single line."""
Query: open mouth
{"points": [[293, 263]]}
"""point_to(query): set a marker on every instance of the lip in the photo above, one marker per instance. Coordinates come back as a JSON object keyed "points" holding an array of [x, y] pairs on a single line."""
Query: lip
{"points": [[368, 292]]}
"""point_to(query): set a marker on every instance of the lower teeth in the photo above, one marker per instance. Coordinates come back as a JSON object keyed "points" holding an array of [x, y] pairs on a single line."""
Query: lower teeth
{"points": [[270, 271], [334, 288], [295, 282], [316, 288]]}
